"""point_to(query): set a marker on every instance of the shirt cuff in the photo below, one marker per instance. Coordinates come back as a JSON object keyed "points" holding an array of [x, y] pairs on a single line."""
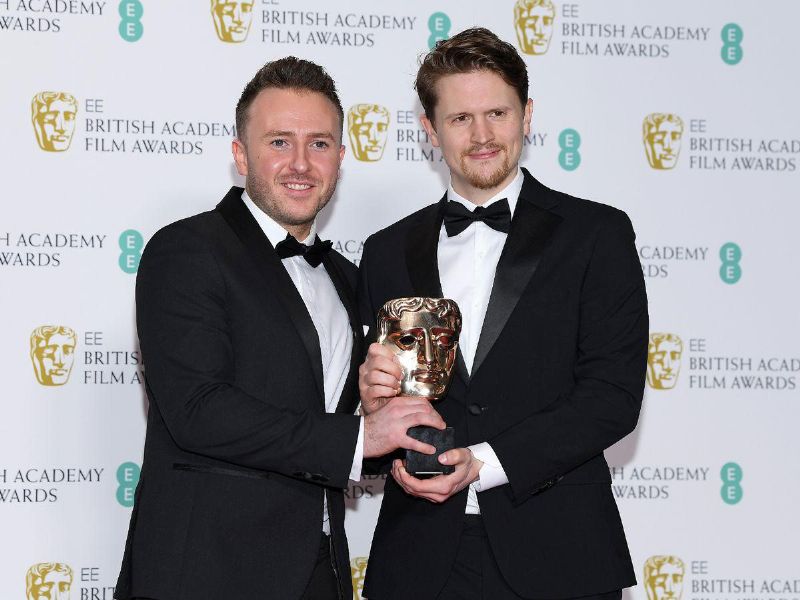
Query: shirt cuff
{"points": [[358, 457], [492, 473]]}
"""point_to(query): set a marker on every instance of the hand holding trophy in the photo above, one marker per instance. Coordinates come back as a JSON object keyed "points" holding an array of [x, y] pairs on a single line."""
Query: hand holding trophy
{"points": [[423, 335]]}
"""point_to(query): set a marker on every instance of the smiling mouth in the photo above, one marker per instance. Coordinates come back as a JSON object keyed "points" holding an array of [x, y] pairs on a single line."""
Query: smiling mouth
{"points": [[297, 187], [484, 153]]}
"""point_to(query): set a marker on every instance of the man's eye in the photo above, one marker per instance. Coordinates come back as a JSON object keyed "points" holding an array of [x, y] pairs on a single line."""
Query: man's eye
{"points": [[278, 143], [320, 145]]}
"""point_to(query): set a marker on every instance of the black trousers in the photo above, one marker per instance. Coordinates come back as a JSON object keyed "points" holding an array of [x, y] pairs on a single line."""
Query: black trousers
{"points": [[323, 584], [475, 574]]}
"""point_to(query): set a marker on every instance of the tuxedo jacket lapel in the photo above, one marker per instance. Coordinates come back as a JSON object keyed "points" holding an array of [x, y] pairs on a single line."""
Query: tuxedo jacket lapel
{"points": [[422, 258], [269, 265], [531, 228]]}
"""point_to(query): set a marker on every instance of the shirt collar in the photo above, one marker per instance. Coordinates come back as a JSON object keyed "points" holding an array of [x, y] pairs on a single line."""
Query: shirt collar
{"points": [[511, 192], [275, 232]]}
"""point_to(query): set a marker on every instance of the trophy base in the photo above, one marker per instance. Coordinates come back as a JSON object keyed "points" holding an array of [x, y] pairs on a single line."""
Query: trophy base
{"points": [[421, 465]]}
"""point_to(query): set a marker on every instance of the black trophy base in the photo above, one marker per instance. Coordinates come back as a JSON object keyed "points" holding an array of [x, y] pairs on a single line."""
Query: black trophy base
{"points": [[427, 465]]}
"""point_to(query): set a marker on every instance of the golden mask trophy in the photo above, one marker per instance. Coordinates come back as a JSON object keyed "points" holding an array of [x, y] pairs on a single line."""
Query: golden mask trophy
{"points": [[423, 334]]}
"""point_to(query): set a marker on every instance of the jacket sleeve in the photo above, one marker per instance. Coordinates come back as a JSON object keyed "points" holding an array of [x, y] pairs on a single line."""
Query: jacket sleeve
{"points": [[603, 405], [183, 326]]}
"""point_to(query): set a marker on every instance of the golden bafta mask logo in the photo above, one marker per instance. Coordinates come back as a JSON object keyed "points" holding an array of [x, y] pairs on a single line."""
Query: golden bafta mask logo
{"points": [[48, 581], [232, 19], [368, 127], [662, 133], [53, 115], [533, 22], [358, 569], [52, 353], [663, 360], [663, 577]]}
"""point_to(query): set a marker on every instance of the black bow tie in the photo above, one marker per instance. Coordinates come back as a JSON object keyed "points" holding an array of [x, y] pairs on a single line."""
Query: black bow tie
{"points": [[313, 254], [458, 217]]}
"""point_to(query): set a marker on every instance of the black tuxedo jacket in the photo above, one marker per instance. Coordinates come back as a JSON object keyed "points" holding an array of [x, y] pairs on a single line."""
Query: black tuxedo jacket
{"points": [[558, 377], [239, 450]]}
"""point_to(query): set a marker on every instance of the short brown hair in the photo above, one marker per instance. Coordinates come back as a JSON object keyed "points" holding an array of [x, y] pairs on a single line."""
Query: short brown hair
{"points": [[475, 49], [289, 73]]}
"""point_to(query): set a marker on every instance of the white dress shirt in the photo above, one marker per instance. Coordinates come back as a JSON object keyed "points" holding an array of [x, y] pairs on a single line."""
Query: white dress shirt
{"points": [[467, 264], [330, 320]]}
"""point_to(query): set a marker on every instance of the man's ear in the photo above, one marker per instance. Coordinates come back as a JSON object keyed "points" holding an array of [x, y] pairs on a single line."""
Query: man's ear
{"points": [[527, 116], [239, 156], [427, 124]]}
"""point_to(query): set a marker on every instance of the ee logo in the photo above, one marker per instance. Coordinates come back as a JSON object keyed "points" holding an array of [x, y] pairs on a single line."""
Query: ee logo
{"points": [[569, 141], [731, 254], [130, 27], [731, 491], [127, 477], [131, 243], [732, 51], [439, 26]]}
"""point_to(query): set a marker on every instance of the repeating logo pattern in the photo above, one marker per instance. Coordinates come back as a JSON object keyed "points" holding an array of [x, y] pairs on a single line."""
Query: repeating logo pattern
{"points": [[663, 360], [533, 23], [662, 133], [53, 353], [730, 271], [232, 19], [130, 27], [127, 476], [53, 115], [439, 26], [131, 243], [569, 141], [731, 475], [368, 128], [663, 577], [732, 52], [48, 581]]}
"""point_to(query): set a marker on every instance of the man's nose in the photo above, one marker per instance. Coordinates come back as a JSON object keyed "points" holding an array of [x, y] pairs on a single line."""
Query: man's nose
{"points": [[481, 131], [300, 159]]}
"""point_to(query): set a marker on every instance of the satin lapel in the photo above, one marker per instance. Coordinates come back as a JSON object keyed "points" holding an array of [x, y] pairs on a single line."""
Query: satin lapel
{"points": [[347, 404], [531, 229], [421, 252], [269, 265], [422, 260]]}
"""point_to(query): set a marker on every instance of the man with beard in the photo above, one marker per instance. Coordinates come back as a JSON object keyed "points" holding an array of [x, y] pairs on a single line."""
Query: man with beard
{"points": [[250, 335], [551, 362]]}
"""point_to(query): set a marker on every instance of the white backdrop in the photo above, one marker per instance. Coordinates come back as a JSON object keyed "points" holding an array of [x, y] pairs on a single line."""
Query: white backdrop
{"points": [[137, 134]]}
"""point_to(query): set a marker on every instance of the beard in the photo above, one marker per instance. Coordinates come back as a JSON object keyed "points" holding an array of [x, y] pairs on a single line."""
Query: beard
{"points": [[486, 181], [265, 196]]}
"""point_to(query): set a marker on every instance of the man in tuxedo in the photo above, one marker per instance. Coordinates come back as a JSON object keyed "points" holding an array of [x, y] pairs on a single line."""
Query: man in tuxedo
{"points": [[551, 363], [250, 335]]}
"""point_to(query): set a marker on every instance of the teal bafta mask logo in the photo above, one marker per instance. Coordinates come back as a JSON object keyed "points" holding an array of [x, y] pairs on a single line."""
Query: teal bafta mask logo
{"points": [[131, 243], [569, 141], [732, 52], [731, 474], [130, 27], [127, 477], [439, 26], [730, 271]]}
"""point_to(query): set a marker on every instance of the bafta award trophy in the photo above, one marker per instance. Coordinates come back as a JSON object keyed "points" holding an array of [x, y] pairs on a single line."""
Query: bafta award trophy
{"points": [[423, 334]]}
